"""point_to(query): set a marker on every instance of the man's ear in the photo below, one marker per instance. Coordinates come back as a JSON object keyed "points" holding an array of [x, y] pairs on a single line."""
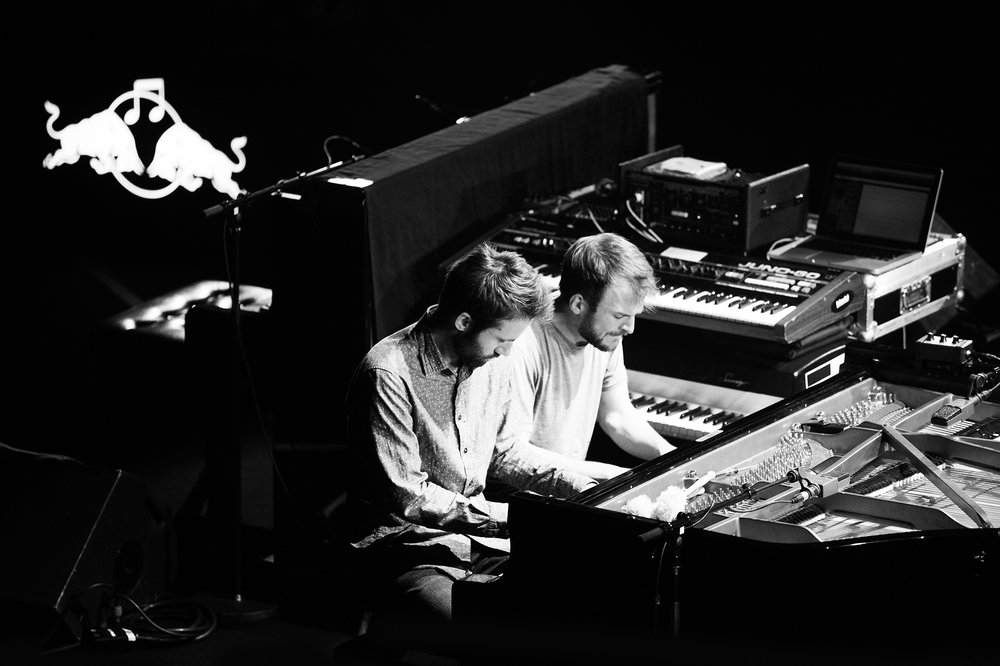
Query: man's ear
{"points": [[577, 304], [463, 322]]}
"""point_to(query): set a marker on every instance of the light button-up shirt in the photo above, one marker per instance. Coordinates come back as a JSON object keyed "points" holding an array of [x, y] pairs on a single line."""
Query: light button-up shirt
{"points": [[425, 438]]}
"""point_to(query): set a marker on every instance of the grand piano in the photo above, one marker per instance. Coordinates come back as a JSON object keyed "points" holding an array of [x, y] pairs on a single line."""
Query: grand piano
{"points": [[861, 512]]}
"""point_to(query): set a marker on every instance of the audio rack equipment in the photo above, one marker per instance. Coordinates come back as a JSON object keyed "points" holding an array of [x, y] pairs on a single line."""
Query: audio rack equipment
{"points": [[737, 211]]}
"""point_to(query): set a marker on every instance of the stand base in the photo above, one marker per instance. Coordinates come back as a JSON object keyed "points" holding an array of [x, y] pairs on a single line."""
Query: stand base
{"points": [[238, 611]]}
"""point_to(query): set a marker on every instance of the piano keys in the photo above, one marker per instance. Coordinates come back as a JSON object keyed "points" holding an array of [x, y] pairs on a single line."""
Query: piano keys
{"points": [[685, 420], [680, 409]]}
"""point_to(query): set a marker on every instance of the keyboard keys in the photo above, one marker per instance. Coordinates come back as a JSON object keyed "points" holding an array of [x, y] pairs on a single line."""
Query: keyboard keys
{"points": [[676, 418], [721, 304]]}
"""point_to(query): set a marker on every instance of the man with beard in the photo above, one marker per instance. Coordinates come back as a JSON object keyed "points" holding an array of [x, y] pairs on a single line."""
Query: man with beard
{"points": [[569, 371], [428, 421]]}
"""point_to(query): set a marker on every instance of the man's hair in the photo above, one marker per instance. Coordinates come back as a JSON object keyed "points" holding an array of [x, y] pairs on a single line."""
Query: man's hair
{"points": [[492, 286], [594, 262]]}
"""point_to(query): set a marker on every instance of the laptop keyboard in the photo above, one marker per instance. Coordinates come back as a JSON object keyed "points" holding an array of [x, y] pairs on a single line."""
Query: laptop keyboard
{"points": [[848, 247]]}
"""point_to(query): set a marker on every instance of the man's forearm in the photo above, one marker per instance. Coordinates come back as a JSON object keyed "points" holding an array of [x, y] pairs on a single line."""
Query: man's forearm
{"points": [[633, 435], [528, 467], [434, 506], [596, 470], [599, 471]]}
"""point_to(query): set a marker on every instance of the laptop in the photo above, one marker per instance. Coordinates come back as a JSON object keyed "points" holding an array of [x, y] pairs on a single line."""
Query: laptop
{"points": [[874, 217]]}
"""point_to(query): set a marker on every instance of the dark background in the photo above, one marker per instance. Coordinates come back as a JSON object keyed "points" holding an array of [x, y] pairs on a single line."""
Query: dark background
{"points": [[759, 90]]}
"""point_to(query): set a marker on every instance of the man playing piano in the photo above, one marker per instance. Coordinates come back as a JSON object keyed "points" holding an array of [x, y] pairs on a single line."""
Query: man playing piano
{"points": [[428, 420], [569, 371]]}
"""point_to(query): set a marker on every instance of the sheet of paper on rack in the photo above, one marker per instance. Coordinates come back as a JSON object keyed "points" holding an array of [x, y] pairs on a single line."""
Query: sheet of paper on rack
{"points": [[689, 166]]}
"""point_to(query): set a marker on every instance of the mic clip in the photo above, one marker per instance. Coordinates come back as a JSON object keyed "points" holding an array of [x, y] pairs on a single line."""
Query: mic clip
{"points": [[816, 485], [823, 427]]}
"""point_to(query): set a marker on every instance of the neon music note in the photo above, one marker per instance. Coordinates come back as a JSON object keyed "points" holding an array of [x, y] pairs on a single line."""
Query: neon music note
{"points": [[148, 85]]}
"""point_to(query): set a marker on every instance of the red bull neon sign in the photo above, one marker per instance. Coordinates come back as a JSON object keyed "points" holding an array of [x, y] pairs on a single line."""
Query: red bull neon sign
{"points": [[182, 157]]}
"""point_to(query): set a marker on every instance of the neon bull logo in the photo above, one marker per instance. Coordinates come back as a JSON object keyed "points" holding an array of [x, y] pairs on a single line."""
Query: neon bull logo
{"points": [[104, 137], [182, 156]]}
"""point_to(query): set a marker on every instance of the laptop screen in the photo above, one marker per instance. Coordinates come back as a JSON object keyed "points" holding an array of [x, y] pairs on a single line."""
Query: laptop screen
{"points": [[884, 205]]}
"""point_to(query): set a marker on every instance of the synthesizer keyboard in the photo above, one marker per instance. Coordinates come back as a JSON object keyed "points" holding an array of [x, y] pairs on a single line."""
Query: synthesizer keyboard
{"points": [[541, 237], [766, 300]]}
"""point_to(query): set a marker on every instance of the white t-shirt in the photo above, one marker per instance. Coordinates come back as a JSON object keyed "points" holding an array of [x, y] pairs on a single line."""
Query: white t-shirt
{"points": [[560, 384]]}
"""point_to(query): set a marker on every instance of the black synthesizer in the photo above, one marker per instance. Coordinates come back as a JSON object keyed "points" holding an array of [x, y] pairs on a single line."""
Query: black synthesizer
{"points": [[542, 235], [756, 298]]}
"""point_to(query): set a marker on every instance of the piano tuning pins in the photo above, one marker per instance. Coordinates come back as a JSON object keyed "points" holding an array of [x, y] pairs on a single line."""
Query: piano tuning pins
{"points": [[702, 502], [876, 398], [794, 449]]}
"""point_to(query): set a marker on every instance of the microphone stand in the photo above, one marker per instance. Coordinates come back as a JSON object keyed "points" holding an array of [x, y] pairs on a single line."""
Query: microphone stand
{"points": [[237, 609], [246, 197], [676, 530]]}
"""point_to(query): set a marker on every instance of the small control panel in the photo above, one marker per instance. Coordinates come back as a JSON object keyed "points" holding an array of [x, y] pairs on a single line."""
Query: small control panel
{"points": [[754, 275], [944, 348]]}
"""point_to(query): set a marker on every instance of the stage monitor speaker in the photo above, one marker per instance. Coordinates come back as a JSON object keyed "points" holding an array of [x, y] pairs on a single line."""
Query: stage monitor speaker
{"points": [[69, 529]]}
